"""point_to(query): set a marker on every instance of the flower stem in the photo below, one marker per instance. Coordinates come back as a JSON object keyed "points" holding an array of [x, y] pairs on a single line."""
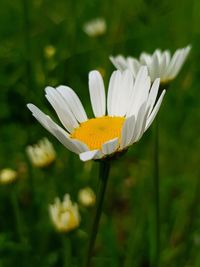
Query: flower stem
{"points": [[18, 220], [157, 196], [103, 178], [66, 245], [156, 241]]}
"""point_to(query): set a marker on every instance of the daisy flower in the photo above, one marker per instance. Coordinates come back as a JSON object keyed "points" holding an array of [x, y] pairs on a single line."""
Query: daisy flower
{"points": [[131, 108], [7, 176], [95, 27], [41, 154], [86, 197], [160, 64], [64, 214]]}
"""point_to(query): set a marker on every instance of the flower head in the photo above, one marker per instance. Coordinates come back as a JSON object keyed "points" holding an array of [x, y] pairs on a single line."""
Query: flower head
{"points": [[160, 64], [7, 176], [86, 197], [64, 215], [95, 27], [42, 154], [131, 108]]}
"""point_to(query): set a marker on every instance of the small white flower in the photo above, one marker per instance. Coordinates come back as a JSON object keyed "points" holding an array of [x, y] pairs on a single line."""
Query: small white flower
{"points": [[7, 176], [160, 64], [64, 215], [42, 154], [86, 197], [131, 109], [95, 27]]}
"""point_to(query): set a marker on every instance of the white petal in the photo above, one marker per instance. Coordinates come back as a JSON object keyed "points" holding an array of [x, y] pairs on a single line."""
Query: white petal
{"points": [[113, 91], [119, 92], [159, 55], [119, 62], [153, 94], [110, 146], [88, 155], [173, 63], [126, 84], [71, 144], [187, 49], [64, 113], [143, 125], [180, 61], [177, 66], [134, 65], [127, 132], [154, 68], [167, 56], [97, 93], [155, 111], [140, 91], [99, 155], [40, 116], [73, 102], [140, 123], [145, 59], [162, 66]]}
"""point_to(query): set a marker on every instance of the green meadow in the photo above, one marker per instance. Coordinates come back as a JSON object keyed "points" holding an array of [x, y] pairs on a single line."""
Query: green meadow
{"points": [[43, 44]]}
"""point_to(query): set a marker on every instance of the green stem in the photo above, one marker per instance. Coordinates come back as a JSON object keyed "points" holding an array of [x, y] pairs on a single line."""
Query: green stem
{"points": [[157, 196], [18, 221], [103, 178], [156, 236], [66, 251]]}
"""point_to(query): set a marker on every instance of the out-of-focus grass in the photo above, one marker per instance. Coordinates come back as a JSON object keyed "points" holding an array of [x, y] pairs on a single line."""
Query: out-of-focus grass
{"points": [[26, 29]]}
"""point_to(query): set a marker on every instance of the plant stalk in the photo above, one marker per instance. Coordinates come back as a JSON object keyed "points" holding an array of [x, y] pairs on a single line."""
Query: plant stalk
{"points": [[17, 215], [103, 178], [157, 196]]}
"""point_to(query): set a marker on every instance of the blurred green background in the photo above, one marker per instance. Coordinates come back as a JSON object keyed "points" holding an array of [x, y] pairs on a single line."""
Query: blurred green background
{"points": [[27, 237]]}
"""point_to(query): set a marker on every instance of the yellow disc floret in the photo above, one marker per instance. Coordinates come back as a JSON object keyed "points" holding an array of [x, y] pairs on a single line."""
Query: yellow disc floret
{"points": [[95, 132]]}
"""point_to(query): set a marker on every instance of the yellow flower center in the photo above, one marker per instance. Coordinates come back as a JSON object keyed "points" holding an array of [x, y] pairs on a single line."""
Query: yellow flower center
{"points": [[95, 132], [70, 224]]}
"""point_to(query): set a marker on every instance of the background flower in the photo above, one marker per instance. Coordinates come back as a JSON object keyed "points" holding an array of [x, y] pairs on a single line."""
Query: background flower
{"points": [[160, 64], [86, 197], [95, 27], [42, 154], [7, 176], [64, 215]]}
